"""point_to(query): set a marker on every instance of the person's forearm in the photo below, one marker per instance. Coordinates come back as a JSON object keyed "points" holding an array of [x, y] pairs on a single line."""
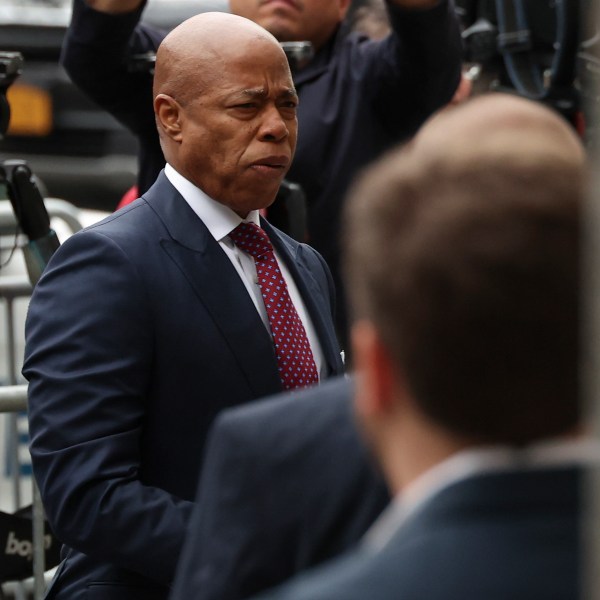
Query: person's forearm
{"points": [[429, 56], [114, 6]]}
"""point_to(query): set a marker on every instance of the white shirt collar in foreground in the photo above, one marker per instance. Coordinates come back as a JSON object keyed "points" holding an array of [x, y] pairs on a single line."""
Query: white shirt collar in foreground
{"points": [[218, 218], [552, 453]]}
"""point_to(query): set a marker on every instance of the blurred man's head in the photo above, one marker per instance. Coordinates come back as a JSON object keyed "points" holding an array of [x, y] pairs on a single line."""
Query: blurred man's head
{"points": [[225, 108], [462, 262], [295, 20]]}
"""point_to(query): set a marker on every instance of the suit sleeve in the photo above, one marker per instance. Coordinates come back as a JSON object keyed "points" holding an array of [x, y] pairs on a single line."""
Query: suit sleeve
{"points": [[226, 555], [88, 357]]}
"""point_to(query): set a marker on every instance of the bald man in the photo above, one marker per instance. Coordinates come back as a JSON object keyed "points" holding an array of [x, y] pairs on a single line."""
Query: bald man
{"points": [[358, 97], [144, 326], [462, 254]]}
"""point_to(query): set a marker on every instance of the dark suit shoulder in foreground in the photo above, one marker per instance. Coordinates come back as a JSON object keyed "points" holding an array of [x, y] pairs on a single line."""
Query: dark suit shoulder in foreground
{"points": [[511, 535], [286, 484]]}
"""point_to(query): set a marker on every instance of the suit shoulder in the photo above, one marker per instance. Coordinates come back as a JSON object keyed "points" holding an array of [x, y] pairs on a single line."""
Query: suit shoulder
{"points": [[125, 228], [334, 393], [287, 420]]}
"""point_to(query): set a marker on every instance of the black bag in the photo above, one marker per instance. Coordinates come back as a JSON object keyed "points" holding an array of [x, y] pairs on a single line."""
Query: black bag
{"points": [[16, 545]]}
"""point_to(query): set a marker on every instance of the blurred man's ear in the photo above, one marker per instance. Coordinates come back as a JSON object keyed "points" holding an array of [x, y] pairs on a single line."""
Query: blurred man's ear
{"points": [[375, 378]]}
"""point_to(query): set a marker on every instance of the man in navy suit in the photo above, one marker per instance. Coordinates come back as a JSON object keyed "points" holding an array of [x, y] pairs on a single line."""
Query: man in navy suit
{"points": [[357, 97], [462, 254], [147, 324]]}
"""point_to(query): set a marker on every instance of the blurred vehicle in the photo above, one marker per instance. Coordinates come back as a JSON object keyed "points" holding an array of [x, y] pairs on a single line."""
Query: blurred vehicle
{"points": [[78, 151]]}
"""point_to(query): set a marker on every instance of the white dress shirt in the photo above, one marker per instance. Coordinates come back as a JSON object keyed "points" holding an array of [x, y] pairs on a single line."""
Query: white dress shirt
{"points": [[220, 220]]}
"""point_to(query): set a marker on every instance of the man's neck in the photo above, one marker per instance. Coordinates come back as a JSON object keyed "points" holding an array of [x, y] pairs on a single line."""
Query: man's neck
{"points": [[419, 446]]}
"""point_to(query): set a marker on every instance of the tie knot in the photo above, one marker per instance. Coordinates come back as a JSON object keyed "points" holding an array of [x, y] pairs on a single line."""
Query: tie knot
{"points": [[252, 239]]}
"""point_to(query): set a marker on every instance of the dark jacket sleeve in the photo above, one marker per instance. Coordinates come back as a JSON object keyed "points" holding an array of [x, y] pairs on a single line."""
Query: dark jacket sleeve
{"points": [[417, 68], [87, 408], [96, 54]]}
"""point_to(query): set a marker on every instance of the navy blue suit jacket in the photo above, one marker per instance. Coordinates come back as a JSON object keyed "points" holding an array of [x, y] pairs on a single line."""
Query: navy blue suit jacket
{"points": [[513, 535], [139, 331], [286, 484]]}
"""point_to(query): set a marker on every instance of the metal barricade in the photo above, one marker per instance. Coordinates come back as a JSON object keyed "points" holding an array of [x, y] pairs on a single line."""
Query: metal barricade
{"points": [[57, 208], [13, 399], [12, 288], [15, 287]]}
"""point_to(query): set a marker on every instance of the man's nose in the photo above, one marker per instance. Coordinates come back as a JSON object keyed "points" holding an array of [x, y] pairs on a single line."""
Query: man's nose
{"points": [[274, 128]]}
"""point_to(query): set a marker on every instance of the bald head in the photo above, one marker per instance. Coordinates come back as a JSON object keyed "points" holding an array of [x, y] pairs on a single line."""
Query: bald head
{"points": [[195, 51], [462, 250], [496, 127], [225, 108]]}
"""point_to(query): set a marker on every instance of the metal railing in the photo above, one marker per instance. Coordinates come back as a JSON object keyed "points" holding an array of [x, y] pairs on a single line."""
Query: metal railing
{"points": [[57, 208], [12, 288], [13, 400], [13, 397]]}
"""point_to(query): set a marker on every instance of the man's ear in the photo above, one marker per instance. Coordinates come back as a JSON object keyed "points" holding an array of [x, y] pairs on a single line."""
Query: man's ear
{"points": [[168, 115], [375, 385]]}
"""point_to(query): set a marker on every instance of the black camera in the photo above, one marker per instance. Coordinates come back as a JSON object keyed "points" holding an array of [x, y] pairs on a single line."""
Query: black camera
{"points": [[299, 55], [529, 47], [20, 184], [11, 65]]}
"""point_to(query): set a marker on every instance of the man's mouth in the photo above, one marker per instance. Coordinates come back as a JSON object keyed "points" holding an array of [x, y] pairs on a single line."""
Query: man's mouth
{"points": [[277, 162], [271, 165], [294, 4]]}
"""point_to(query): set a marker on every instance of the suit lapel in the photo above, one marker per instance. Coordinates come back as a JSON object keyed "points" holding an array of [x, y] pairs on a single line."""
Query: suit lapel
{"points": [[217, 285], [312, 294]]}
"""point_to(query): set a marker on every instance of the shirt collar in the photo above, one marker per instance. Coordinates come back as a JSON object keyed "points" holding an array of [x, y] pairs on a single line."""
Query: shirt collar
{"points": [[219, 219]]}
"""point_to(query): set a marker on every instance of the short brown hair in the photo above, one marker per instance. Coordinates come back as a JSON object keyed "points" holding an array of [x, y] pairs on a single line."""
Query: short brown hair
{"points": [[466, 260]]}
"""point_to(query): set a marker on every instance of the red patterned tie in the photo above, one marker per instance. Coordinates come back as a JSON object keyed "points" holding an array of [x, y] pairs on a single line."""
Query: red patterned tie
{"points": [[296, 363]]}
